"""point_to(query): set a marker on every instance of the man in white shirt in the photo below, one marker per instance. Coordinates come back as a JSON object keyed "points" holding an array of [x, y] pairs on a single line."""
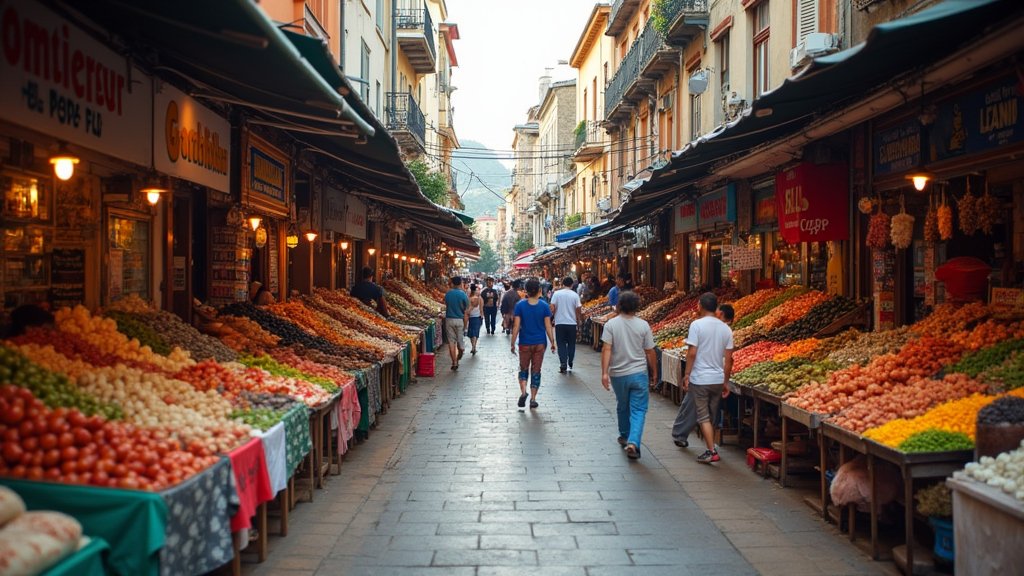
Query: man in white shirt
{"points": [[565, 306], [708, 369]]}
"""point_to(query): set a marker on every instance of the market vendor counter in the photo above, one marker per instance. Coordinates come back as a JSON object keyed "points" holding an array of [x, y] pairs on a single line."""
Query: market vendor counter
{"points": [[182, 530], [89, 560], [984, 520]]}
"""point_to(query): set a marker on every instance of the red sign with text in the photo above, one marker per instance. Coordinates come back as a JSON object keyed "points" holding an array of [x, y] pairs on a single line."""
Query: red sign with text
{"points": [[813, 203]]}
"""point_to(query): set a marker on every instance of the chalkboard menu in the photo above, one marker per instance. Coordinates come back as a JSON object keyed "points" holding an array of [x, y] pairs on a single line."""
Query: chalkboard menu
{"points": [[67, 280]]}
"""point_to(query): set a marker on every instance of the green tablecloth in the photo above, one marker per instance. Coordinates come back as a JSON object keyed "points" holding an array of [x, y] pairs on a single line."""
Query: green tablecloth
{"points": [[133, 522], [403, 382], [89, 561], [297, 439], [428, 337]]}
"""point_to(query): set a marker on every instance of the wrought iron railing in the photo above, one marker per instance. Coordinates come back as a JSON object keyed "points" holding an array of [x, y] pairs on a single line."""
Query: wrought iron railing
{"points": [[640, 53], [403, 113], [673, 8], [590, 133], [417, 19]]}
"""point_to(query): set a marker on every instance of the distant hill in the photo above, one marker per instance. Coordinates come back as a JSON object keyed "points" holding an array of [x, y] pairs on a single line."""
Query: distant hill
{"points": [[470, 168]]}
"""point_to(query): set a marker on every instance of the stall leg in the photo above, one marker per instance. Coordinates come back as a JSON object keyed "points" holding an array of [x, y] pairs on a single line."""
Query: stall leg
{"points": [[875, 555], [908, 505], [757, 423], [823, 467], [261, 533], [283, 500], [783, 464]]}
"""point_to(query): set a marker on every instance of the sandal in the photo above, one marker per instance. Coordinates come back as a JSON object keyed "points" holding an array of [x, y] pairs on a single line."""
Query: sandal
{"points": [[632, 451]]}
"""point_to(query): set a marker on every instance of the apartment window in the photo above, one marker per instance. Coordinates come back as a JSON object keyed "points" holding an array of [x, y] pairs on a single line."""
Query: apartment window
{"points": [[806, 19], [593, 103], [380, 15], [723, 63], [762, 55], [364, 72], [694, 116]]}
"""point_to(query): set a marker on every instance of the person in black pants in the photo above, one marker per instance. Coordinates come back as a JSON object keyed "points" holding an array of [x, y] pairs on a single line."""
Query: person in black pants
{"points": [[566, 306], [490, 298]]}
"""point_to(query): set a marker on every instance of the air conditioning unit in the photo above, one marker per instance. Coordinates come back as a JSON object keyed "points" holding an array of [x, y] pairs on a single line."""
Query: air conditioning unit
{"points": [[814, 45]]}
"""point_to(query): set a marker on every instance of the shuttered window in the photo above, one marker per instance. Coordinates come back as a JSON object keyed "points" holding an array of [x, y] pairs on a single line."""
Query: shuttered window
{"points": [[806, 19]]}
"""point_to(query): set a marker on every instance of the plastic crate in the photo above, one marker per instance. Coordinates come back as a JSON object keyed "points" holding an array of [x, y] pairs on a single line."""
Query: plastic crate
{"points": [[763, 456], [425, 365]]}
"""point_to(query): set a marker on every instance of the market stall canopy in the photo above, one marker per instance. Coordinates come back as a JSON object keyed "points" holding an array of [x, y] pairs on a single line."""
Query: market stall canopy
{"points": [[230, 52], [571, 234], [829, 83]]}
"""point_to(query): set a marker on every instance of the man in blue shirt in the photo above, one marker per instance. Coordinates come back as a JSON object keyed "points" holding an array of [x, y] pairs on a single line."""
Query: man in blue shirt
{"points": [[456, 318], [620, 284]]}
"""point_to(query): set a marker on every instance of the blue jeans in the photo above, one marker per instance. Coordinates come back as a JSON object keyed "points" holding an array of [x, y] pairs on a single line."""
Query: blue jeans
{"points": [[632, 395], [565, 336], [490, 319]]}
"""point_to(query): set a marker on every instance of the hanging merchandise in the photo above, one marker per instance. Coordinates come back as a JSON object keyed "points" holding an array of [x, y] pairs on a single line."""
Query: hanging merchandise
{"points": [[902, 228], [968, 206], [878, 229], [944, 215], [988, 211], [931, 222]]}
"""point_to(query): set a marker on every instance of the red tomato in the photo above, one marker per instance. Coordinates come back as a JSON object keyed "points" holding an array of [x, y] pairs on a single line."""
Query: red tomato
{"points": [[19, 471], [68, 453], [27, 428], [13, 453], [65, 440], [48, 441], [13, 414], [30, 444], [51, 457], [82, 437], [34, 473]]}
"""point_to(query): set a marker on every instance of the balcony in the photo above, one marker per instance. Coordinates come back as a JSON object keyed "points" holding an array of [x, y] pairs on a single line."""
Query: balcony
{"points": [[648, 59], [405, 120], [416, 37], [590, 142], [687, 19], [622, 11]]}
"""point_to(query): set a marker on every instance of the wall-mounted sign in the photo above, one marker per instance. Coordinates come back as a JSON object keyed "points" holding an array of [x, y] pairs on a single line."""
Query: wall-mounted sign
{"points": [[56, 79], [980, 120], [191, 141], [334, 210], [686, 217], [813, 203], [355, 217], [266, 176], [765, 215], [898, 148], [718, 206]]}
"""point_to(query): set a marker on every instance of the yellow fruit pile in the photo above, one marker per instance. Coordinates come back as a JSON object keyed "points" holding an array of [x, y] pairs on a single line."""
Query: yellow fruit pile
{"points": [[956, 416], [798, 348]]}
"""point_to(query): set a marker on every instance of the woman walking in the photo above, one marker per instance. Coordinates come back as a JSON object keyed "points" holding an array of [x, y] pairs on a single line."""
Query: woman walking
{"points": [[532, 325], [629, 364], [476, 318]]}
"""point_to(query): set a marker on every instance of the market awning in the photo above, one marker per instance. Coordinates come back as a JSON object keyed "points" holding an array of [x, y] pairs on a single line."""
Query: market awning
{"points": [[230, 52], [829, 83], [566, 236]]}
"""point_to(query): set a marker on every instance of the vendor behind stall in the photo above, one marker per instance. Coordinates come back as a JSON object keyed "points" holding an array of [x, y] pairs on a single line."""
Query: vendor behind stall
{"points": [[368, 292]]}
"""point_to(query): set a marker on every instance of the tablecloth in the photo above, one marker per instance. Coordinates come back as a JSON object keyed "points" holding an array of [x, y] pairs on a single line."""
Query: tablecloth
{"points": [[198, 538], [89, 560], [251, 480], [298, 442], [671, 367], [276, 452], [133, 522], [346, 416], [406, 358]]}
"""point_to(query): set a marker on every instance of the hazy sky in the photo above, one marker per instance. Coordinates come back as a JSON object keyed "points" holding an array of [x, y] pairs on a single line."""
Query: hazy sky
{"points": [[503, 49]]}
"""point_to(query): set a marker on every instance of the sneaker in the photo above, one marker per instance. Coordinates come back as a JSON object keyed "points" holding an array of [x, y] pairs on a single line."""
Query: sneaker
{"points": [[522, 400], [561, 369], [533, 404], [632, 451], [682, 443], [708, 457], [622, 441]]}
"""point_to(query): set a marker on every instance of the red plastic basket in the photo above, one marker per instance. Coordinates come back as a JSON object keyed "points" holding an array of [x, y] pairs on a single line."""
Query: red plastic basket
{"points": [[966, 278], [425, 365]]}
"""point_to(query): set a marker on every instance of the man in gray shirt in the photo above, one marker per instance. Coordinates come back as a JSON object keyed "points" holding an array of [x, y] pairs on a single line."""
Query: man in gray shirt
{"points": [[629, 364]]}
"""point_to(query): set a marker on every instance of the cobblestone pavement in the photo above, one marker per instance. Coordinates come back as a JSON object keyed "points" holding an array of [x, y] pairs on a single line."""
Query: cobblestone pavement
{"points": [[456, 480]]}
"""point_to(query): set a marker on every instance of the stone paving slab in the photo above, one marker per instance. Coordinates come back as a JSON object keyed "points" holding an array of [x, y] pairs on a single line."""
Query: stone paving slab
{"points": [[456, 480]]}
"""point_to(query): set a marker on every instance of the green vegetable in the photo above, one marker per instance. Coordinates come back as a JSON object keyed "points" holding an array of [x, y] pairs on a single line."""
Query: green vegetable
{"points": [[977, 362], [259, 418], [54, 390], [277, 369], [134, 328], [934, 440]]}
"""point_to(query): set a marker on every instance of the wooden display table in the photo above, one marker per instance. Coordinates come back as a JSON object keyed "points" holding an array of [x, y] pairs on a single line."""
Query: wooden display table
{"points": [[848, 442], [985, 519], [912, 466], [809, 420]]}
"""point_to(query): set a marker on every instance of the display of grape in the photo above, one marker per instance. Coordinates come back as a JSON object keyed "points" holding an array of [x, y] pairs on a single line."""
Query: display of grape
{"points": [[1006, 410]]}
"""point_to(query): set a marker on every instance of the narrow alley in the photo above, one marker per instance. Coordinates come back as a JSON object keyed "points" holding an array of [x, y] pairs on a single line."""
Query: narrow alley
{"points": [[457, 480]]}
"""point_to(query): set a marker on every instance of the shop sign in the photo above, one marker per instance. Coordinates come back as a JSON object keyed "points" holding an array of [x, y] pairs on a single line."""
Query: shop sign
{"points": [[686, 217], [334, 210], [765, 214], [981, 120], [813, 203], [58, 80], [897, 149], [1007, 300], [266, 176], [741, 257], [191, 141], [355, 218], [718, 206]]}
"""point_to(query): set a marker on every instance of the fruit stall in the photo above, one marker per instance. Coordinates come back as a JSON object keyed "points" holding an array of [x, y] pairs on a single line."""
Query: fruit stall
{"points": [[174, 445]]}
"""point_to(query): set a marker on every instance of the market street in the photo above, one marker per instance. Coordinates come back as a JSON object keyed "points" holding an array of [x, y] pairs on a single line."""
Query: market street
{"points": [[456, 480]]}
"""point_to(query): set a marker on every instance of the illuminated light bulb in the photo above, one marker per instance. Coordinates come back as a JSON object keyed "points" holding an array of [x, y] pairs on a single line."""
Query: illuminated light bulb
{"points": [[64, 163], [311, 235], [344, 245], [371, 251], [254, 222], [153, 197], [292, 240]]}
